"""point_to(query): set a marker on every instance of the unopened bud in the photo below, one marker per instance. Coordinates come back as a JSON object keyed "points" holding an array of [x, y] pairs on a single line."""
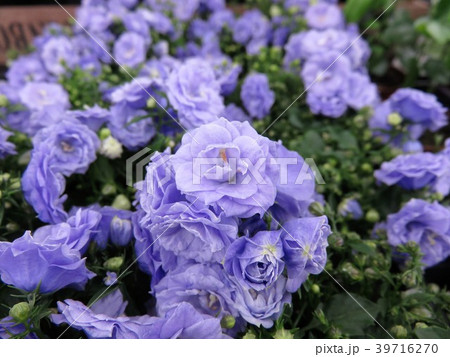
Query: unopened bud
{"points": [[316, 208], [372, 216], [121, 202], [394, 119], [227, 321], [399, 331], [3, 101], [249, 336], [111, 148], [283, 334], [113, 264], [20, 312]]}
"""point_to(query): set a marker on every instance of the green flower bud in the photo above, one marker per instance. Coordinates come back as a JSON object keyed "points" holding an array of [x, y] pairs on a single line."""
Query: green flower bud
{"points": [[315, 289], [25, 158], [104, 133], [366, 167], [372, 216], [12, 227], [275, 11], [121, 202], [15, 183], [151, 103], [20, 312], [113, 264], [433, 288], [335, 332], [370, 273], [399, 331], [410, 279], [227, 321], [316, 209], [283, 334], [108, 189], [3, 101], [249, 336], [422, 312], [349, 269], [394, 119], [420, 325]]}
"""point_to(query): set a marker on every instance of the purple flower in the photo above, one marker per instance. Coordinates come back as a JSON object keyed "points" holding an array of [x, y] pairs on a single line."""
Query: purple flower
{"points": [[227, 73], [133, 135], [235, 113], [120, 231], [253, 30], [157, 21], [43, 118], [103, 320], [135, 93], [427, 224], [42, 187], [110, 278], [28, 264], [26, 69], [75, 234], [331, 106], [205, 287], [185, 10], [93, 117], [130, 49], [257, 96], [413, 171], [9, 329], [295, 186], [263, 307], [324, 16], [360, 91], [412, 146], [104, 229], [350, 208], [184, 321], [57, 53], [37, 95], [325, 76], [6, 148], [135, 22], [256, 262], [304, 244], [73, 146], [224, 180], [195, 233], [422, 109], [195, 93]]}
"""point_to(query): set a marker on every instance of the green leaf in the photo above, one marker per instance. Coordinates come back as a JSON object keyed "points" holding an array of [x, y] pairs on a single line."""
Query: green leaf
{"points": [[432, 333], [343, 312], [354, 10], [362, 247], [347, 141]]}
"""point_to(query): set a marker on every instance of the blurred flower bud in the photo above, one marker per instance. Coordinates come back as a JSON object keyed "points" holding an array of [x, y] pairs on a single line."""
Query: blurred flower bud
{"points": [[113, 264], [315, 289], [3, 101], [316, 208], [372, 216], [121, 202], [120, 231], [111, 148], [349, 269], [394, 119], [399, 331], [283, 334], [108, 189], [104, 133], [249, 336]]}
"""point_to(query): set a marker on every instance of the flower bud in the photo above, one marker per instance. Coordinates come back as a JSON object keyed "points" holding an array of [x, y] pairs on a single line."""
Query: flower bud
{"points": [[352, 271], [420, 325], [399, 331], [283, 334], [121, 202], [151, 103], [372, 216], [249, 336], [394, 119], [104, 133], [315, 289], [3, 101], [20, 312], [422, 312], [120, 231], [111, 148], [227, 321], [433, 288], [108, 189], [114, 264], [410, 279], [316, 209]]}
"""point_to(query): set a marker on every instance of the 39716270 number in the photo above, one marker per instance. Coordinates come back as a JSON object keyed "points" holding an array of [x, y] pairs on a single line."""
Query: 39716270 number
{"points": [[417, 348]]}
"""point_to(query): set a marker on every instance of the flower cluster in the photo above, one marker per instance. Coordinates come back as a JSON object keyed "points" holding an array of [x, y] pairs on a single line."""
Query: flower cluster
{"points": [[332, 58], [202, 232]]}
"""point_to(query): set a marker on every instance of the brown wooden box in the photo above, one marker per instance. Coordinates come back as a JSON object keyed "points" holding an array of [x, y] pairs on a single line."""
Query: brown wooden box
{"points": [[19, 24]]}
